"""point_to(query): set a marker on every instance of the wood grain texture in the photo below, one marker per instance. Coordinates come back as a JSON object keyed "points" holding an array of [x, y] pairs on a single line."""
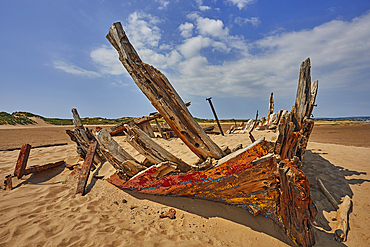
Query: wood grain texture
{"points": [[116, 155], [86, 167], [163, 97], [154, 152]]}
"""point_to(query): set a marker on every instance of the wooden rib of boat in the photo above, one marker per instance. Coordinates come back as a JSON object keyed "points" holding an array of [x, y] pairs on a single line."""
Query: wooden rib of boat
{"points": [[264, 178]]}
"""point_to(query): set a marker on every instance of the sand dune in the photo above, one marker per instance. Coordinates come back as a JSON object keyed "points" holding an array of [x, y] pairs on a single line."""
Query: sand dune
{"points": [[42, 209]]}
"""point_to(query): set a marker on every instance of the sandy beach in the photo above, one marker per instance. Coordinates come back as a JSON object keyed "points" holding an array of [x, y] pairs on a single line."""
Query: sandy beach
{"points": [[42, 209]]}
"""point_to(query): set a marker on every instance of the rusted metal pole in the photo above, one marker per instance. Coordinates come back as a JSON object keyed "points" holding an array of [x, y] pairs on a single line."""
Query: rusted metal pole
{"points": [[33, 169], [214, 113]]}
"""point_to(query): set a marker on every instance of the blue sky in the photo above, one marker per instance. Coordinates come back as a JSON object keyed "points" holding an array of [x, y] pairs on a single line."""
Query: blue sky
{"points": [[54, 55]]}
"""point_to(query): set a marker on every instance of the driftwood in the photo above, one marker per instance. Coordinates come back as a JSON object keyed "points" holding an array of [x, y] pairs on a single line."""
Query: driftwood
{"points": [[163, 96], [8, 183], [86, 167], [150, 149], [116, 155], [340, 233]]}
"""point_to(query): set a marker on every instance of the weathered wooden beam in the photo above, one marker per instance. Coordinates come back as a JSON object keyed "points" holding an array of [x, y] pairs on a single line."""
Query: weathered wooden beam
{"points": [[116, 155], [296, 207], [33, 169], [22, 160], [78, 124], [86, 167], [271, 108], [154, 152], [303, 98], [314, 88], [163, 97]]}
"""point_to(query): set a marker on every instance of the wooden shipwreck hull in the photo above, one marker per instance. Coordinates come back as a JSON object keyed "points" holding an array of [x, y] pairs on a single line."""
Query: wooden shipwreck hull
{"points": [[263, 178]]}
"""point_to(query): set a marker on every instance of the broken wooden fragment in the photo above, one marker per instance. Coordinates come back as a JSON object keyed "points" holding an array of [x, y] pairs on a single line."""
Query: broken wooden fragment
{"points": [[33, 169], [327, 194], [22, 160], [314, 88], [271, 108], [78, 124], [150, 149], [340, 233], [163, 96], [147, 128], [85, 169], [116, 155], [8, 184], [120, 127]]}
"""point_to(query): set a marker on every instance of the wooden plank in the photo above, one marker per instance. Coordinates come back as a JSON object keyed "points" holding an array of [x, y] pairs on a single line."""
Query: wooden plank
{"points": [[147, 128], [78, 124], [303, 96], [314, 88], [296, 207], [33, 169], [22, 160], [116, 155], [150, 149], [163, 97], [85, 169]]}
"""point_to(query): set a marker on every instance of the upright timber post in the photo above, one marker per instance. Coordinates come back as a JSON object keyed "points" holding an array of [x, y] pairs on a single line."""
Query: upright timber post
{"points": [[163, 97], [214, 114]]}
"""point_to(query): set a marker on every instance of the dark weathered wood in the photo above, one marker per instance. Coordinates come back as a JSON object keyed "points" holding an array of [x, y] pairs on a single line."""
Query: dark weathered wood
{"points": [[271, 108], [22, 160], [33, 169], [78, 124], [214, 114], [163, 97], [8, 184], [150, 149], [86, 167], [116, 155], [296, 207]]}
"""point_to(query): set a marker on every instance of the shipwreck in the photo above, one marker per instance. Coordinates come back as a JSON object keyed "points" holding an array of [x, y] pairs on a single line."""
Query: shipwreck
{"points": [[264, 178]]}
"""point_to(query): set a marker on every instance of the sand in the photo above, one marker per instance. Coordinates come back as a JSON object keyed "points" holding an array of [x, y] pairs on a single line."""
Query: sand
{"points": [[42, 209]]}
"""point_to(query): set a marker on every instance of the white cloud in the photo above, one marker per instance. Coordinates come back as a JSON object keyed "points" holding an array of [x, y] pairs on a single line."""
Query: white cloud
{"points": [[163, 3], [142, 30], [73, 69], [106, 59], [204, 8], [241, 3], [211, 27], [192, 46], [255, 21], [186, 29]]}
